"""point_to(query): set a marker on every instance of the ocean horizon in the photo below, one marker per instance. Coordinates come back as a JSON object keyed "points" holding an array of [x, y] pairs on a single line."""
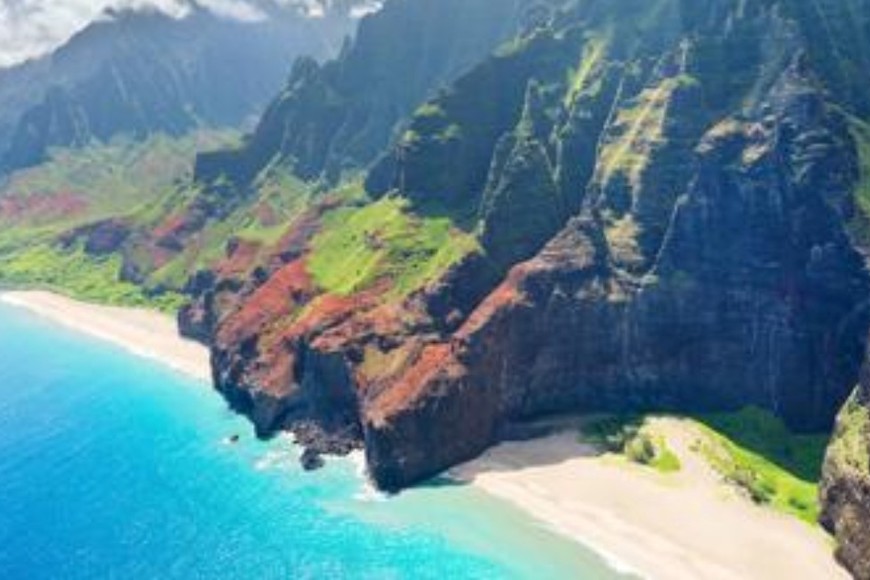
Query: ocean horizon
{"points": [[114, 466]]}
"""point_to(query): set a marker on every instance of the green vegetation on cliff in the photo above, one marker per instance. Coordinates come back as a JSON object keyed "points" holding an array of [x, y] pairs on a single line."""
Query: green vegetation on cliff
{"points": [[80, 276], [384, 240], [80, 186], [638, 129], [261, 218], [339, 116], [581, 77], [845, 487]]}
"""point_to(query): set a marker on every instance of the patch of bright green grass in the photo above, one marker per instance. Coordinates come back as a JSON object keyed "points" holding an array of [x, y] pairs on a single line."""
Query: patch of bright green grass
{"points": [[665, 460], [631, 437], [651, 450], [384, 239], [756, 451], [639, 131], [80, 276]]}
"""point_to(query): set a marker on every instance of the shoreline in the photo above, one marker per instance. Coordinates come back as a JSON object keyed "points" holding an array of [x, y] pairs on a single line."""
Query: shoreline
{"points": [[685, 525], [144, 333], [678, 526]]}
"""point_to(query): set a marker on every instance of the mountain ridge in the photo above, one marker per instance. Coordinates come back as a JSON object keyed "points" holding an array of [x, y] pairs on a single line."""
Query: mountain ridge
{"points": [[139, 73], [585, 206]]}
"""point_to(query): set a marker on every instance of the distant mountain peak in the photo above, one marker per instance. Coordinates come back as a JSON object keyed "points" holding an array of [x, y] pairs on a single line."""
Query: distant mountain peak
{"points": [[142, 70]]}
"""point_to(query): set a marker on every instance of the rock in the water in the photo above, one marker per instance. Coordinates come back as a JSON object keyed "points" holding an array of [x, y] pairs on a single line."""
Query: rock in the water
{"points": [[311, 460]]}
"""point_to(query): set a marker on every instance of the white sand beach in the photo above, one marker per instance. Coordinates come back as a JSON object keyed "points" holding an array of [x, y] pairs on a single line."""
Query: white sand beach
{"points": [[142, 332], [686, 525]]}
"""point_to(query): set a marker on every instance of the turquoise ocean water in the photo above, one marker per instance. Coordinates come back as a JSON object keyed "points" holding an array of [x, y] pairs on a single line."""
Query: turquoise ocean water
{"points": [[114, 467]]}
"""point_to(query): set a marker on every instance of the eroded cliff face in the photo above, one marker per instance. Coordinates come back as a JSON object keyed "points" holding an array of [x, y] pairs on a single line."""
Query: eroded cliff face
{"points": [[675, 224], [755, 296], [709, 268]]}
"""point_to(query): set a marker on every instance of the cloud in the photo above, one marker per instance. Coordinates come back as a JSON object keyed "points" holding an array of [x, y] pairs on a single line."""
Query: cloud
{"points": [[30, 28], [236, 9]]}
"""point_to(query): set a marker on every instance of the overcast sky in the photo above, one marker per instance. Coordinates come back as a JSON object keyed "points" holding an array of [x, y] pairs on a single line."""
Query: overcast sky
{"points": [[30, 28]]}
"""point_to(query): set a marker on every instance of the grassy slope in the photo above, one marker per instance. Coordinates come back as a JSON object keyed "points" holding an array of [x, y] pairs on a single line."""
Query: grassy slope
{"points": [[118, 179], [77, 275], [122, 179], [264, 219], [756, 451], [359, 246]]}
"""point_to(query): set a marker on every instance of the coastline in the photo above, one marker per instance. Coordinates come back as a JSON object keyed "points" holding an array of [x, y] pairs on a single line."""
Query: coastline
{"points": [[684, 525], [679, 526], [142, 332]]}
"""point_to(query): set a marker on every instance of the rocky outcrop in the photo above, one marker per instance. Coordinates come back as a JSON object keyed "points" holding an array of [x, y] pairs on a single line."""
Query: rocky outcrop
{"points": [[99, 239], [845, 486], [197, 320], [522, 204], [432, 418]]}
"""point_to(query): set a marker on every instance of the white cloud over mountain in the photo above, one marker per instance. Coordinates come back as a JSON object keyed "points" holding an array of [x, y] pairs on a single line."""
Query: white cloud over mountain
{"points": [[30, 28]]}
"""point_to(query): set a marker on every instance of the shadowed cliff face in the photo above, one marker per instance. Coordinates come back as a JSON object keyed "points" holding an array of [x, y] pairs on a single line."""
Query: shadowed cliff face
{"points": [[663, 212], [754, 296]]}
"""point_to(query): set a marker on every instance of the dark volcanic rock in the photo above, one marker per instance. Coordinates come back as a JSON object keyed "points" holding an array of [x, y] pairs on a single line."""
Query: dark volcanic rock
{"points": [[308, 391], [101, 238], [196, 320], [311, 460]]}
